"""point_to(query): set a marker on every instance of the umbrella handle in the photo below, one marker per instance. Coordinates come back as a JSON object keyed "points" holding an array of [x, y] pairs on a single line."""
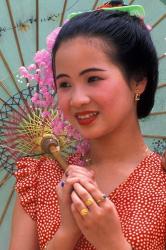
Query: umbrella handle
{"points": [[55, 152], [50, 144]]}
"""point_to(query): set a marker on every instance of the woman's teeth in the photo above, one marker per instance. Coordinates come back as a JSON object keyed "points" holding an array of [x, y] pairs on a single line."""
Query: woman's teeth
{"points": [[86, 116]]}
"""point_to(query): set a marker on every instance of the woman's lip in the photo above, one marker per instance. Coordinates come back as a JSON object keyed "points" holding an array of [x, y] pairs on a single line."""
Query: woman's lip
{"points": [[84, 121], [85, 113]]}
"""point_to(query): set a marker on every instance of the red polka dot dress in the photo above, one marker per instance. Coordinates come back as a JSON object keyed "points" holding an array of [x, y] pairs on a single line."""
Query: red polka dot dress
{"points": [[140, 201]]}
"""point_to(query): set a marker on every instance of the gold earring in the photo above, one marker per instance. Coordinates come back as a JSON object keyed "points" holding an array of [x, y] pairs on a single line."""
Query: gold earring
{"points": [[137, 95]]}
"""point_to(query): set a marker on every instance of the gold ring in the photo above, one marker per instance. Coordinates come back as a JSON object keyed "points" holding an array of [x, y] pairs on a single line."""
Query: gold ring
{"points": [[84, 212], [89, 202], [103, 198]]}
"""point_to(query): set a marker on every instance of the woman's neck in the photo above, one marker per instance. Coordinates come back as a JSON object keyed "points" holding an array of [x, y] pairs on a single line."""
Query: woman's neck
{"points": [[120, 146]]}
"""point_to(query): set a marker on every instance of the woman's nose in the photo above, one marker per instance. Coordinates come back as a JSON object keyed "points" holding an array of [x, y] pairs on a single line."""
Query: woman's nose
{"points": [[78, 98]]}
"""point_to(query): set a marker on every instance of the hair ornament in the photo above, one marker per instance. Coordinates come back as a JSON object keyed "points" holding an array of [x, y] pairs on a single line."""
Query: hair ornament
{"points": [[40, 73], [133, 10]]}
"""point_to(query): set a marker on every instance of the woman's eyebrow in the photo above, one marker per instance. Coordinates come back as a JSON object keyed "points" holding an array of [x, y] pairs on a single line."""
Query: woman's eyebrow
{"points": [[81, 73], [90, 70], [61, 75]]}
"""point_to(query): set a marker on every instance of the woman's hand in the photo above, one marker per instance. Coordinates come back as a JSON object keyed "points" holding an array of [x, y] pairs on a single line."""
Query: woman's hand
{"points": [[72, 175], [97, 217]]}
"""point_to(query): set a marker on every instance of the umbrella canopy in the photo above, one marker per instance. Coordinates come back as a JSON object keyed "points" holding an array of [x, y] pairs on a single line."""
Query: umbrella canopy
{"points": [[24, 26]]}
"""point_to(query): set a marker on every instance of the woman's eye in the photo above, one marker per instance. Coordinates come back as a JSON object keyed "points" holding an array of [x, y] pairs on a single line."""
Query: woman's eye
{"points": [[64, 85], [93, 79]]}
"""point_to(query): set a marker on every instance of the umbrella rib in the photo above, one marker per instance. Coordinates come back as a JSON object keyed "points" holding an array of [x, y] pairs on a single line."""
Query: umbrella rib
{"points": [[8, 93], [7, 205], [6, 161], [5, 179], [95, 4], [17, 43], [8, 105], [5, 89], [14, 31], [158, 113], [161, 85], [132, 1], [9, 70], [9, 122], [7, 127], [162, 56], [63, 12], [155, 136], [37, 25], [159, 21]]}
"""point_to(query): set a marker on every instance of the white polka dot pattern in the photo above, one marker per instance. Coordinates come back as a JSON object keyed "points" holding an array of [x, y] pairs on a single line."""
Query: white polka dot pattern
{"points": [[140, 201]]}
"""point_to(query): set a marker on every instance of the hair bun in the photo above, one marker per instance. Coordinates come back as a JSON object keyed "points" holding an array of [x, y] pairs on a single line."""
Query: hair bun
{"points": [[110, 4]]}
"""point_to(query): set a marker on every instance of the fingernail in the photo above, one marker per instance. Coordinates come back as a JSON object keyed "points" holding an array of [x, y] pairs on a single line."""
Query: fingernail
{"points": [[62, 184]]}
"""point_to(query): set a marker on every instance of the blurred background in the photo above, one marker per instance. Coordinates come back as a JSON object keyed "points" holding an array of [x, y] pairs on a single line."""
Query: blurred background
{"points": [[24, 26]]}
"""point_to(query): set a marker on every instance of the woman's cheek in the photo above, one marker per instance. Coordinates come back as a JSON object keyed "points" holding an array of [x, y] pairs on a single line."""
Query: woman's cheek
{"points": [[64, 107]]}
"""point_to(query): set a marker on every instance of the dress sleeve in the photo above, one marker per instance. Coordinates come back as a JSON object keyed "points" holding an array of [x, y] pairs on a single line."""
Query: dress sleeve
{"points": [[30, 180], [26, 184]]}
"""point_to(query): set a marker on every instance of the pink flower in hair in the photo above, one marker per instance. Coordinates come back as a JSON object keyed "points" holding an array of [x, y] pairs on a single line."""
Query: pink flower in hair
{"points": [[149, 27], [31, 67], [41, 73], [51, 38], [24, 72], [42, 57]]}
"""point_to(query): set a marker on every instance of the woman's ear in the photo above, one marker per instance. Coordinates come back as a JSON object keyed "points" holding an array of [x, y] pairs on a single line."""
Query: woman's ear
{"points": [[138, 88], [140, 85]]}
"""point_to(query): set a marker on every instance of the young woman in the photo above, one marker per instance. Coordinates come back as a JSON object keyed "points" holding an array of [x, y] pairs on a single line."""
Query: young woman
{"points": [[106, 72]]}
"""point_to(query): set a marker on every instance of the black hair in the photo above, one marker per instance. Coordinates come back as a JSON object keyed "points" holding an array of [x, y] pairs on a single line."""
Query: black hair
{"points": [[116, 2], [128, 43]]}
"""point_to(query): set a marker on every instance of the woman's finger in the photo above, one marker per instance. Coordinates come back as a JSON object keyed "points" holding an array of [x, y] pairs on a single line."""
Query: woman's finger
{"points": [[79, 205], [74, 170], [65, 187], [85, 197], [99, 198]]}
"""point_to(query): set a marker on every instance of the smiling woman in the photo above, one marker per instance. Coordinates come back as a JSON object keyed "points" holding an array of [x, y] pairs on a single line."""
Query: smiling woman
{"points": [[97, 79], [106, 72]]}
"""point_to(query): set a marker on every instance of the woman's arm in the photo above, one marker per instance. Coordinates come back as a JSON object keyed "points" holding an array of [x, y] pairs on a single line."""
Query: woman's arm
{"points": [[62, 240], [23, 231]]}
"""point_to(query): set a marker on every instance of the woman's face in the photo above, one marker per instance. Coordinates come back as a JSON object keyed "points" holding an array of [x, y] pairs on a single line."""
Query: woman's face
{"points": [[92, 91]]}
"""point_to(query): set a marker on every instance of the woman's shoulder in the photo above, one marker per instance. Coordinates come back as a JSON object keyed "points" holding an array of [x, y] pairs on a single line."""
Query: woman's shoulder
{"points": [[30, 171], [31, 168], [26, 183], [153, 170], [37, 179], [154, 163]]}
